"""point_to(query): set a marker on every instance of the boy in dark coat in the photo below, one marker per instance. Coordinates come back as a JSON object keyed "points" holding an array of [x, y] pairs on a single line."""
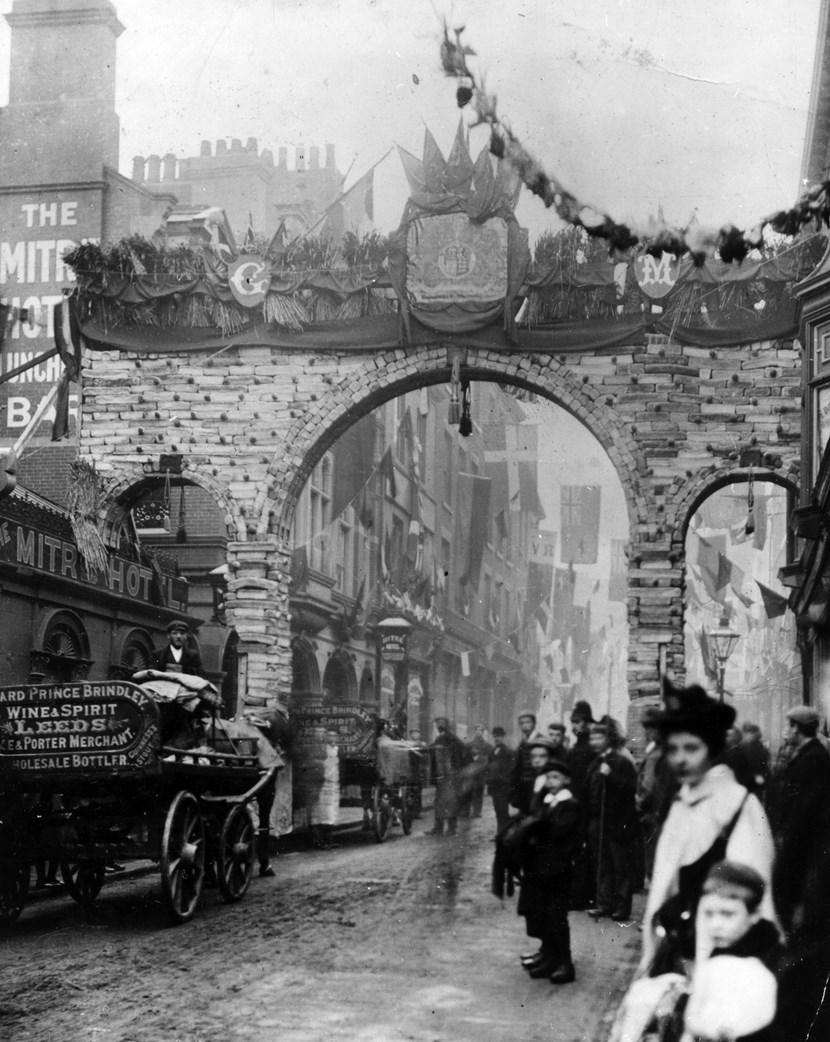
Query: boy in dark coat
{"points": [[612, 822], [546, 875]]}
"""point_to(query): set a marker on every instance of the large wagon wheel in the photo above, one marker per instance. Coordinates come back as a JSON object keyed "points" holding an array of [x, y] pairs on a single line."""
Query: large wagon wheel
{"points": [[381, 813], [236, 854], [83, 879], [183, 857], [407, 808], [14, 888]]}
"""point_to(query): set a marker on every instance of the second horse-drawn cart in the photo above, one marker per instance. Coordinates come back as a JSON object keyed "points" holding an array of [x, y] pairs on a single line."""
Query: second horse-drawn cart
{"points": [[92, 773]]}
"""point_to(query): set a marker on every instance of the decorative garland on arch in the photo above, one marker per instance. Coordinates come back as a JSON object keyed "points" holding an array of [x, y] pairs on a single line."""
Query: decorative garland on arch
{"points": [[730, 242]]}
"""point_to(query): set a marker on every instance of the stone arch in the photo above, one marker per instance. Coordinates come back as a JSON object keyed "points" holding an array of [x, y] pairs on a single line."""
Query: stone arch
{"points": [[122, 481], [353, 396], [707, 482]]}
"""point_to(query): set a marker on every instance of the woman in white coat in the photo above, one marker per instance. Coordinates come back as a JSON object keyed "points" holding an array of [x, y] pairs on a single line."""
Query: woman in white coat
{"points": [[712, 817]]}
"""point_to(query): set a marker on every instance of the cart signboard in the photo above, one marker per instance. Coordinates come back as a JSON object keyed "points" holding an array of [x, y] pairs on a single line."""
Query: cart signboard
{"points": [[77, 728], [353, 725]]}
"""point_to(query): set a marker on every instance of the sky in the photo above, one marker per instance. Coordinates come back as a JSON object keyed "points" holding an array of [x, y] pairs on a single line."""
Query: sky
{"points": [[633, 104]]}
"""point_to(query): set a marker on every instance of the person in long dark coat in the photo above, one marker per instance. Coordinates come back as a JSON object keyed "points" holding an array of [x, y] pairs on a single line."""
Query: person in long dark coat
{"points": [[800, 809], [546, 876], [612, 822], [449, 756], [478, 750], [579, 758], [499, 775]]}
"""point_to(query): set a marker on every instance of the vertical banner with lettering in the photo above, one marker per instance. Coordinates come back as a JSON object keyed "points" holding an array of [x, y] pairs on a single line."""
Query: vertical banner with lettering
{"points": [[36, 229]]}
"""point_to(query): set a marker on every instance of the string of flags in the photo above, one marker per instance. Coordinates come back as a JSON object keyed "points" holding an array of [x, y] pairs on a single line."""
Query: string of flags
{"points": [[656, 238]]}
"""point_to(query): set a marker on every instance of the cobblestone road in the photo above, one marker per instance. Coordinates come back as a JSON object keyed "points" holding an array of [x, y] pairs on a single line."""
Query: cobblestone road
{"points": [[365, 943]]}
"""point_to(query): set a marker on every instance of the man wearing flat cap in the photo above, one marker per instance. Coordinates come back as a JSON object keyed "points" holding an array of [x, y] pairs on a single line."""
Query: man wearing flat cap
{"points": [[524, 773], [176, 656]]}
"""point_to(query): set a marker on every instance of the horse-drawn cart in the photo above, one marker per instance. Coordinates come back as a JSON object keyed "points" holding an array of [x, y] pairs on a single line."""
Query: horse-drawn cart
{"points": [[389, 774], [92, 773]]}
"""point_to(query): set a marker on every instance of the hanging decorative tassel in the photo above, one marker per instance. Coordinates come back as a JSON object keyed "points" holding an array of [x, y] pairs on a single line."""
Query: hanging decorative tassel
{"points": [[749, 527], [455, 384], [181, 531], [165, 523], [465, 424]]}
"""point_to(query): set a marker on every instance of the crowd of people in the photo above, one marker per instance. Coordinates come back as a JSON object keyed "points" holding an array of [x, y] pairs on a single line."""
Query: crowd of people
{"points": [[732, 848]]}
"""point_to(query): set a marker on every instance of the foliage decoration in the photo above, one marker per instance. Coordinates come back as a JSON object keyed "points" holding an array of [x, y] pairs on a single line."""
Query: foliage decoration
{"points": [[730, 243]]}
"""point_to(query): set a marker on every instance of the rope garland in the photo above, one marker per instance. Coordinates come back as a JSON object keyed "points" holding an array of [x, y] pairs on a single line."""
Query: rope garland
{"points": [[730, 242]]}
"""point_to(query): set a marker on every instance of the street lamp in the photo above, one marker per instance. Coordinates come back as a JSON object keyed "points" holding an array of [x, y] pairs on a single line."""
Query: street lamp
{"points": [[722, 642]]}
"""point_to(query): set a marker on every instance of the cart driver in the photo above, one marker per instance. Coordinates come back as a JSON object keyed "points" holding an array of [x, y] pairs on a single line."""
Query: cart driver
{"points": [[177, 656]]}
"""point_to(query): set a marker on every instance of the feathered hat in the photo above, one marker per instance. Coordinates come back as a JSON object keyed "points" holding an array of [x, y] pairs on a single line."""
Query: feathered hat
{"points": [[691, 709]]}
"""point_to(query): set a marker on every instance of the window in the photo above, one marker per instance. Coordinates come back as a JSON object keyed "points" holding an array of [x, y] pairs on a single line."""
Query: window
{"points": [[320, 515], [448, 483], [342, 573]]}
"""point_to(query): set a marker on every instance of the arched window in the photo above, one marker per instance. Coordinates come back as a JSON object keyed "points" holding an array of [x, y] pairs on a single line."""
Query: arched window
{"points": [[63, 654]]}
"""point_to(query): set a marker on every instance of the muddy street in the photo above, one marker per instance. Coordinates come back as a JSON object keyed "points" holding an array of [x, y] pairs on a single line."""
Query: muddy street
{"points": [[361, 942]]}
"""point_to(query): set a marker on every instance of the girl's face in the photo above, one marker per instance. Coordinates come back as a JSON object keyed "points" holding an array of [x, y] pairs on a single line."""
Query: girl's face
{"points": [[538, 758], [688, 757]]}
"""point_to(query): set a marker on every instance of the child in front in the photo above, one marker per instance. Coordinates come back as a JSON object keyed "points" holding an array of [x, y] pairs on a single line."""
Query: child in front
{"points": [[734, 991], [546, 874]]}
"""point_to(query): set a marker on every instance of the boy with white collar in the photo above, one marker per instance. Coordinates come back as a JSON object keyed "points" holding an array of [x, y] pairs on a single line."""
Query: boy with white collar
{"points": [[546, 875]]}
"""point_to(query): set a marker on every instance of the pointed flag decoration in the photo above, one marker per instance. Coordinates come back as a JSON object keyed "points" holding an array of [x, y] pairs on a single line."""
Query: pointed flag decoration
{"points": [[69, 344], [774, 603], [299, 568], [387, 469], [353, 465]]}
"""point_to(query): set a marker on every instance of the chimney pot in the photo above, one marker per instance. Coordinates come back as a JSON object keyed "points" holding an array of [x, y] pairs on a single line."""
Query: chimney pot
{"points": [[168, 167], [153, 167], [236, 145], [251, 145], [138, 168], [206, 149], [221, 147], [330, 156]]}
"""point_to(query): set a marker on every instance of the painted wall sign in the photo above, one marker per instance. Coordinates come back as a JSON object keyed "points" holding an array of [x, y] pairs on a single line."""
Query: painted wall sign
{"points": [[353, 725], [36, 230], [28, 547], [111, 725]]}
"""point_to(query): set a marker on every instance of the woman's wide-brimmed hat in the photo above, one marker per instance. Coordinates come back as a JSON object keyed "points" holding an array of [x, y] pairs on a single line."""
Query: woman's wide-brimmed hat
{"points": [[691, 709]]}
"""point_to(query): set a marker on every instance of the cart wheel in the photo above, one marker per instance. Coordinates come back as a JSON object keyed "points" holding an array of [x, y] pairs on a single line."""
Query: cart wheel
{"points": [[235, 858], [14, 888], [83, 879], [382, 816], [183, 857], [407, 807]]}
